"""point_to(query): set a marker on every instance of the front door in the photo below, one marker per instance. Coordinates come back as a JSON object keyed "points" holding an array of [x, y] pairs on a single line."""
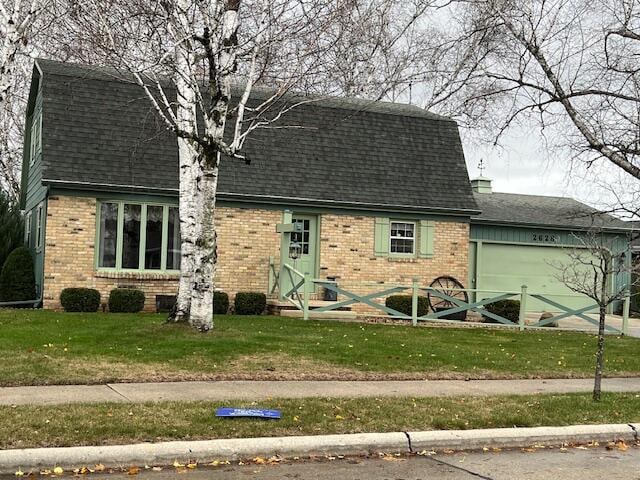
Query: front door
{"points": [[306, 236]]}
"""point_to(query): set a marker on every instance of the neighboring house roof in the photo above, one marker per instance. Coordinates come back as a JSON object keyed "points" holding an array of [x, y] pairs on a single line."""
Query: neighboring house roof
{"points": [[100, 131], [559, 212]]}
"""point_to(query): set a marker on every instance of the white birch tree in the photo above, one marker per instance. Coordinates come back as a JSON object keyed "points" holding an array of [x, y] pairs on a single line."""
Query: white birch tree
{"points": [[20, 21], [214, 53]]}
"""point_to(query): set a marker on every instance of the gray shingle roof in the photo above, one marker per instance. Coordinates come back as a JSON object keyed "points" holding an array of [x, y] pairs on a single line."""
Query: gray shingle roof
{"points": [[99, 129], [564, 212]]}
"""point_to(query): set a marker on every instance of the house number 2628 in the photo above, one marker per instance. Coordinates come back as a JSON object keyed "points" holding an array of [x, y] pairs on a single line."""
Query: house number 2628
{"points": [[539, 237]]}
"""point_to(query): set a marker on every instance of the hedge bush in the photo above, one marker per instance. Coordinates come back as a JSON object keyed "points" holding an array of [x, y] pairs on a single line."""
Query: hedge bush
{"points": [[509, 309], [220, 303], [250, 303], [126, 300], [403, 304], [80, 299], [17, 279]]}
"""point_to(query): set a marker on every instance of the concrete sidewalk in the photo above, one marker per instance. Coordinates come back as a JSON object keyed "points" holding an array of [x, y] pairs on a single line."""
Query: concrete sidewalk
{"points": [[260, 390]]}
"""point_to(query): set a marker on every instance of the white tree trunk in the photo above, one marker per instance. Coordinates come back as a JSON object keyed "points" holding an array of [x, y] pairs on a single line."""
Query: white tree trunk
{"points": [[189, 172], [205, 256]]}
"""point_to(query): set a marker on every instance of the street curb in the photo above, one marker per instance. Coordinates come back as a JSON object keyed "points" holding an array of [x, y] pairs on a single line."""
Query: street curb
{"points": [[165, 453]]}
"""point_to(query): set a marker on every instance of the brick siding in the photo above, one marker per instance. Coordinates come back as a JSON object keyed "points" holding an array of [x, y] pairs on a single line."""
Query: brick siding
{"points": [[246, 240]]}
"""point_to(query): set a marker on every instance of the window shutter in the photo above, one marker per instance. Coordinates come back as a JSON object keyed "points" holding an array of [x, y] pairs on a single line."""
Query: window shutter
{"points": [[427, 231], [381, 243]]}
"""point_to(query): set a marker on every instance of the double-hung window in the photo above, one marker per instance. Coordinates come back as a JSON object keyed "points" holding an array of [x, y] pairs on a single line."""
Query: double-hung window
{"points": [[138, 236], [39, 225], [402, 238], [27, 230]]}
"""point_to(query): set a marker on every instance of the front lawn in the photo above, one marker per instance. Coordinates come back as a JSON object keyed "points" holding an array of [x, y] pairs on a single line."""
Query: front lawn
{"points": [[115, 423], [43, 347]]}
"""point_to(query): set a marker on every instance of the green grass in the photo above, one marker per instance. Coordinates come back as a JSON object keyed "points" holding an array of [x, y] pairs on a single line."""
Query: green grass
{"points": [[43, 347], [46, 426]]}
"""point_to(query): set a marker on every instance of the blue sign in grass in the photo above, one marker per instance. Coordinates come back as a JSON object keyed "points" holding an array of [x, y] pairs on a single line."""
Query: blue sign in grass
{"points": [[248, 412]]}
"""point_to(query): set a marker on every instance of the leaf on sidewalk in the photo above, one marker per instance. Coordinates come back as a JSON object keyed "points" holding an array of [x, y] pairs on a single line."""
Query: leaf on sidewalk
{"points": [[133, 470]]}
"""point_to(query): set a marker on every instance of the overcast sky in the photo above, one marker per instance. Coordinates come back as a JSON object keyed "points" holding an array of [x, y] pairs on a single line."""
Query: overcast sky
{"points": [[522, 164]]}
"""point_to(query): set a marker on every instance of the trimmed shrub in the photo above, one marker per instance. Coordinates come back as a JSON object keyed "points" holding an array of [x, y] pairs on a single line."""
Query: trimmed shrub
{"points": [[250, 303], [80, 299], [509, 309], [402, 303], [220, 303], [17, 279], [126, 300], [11, 228]]}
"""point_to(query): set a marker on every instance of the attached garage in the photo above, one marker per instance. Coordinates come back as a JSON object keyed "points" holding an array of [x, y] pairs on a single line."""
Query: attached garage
{"points": [[523, 239], [506, 267]]}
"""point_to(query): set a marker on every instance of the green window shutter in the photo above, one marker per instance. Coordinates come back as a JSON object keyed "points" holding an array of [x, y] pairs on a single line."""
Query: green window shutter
{"points": [[427, 232], [381, 243]]}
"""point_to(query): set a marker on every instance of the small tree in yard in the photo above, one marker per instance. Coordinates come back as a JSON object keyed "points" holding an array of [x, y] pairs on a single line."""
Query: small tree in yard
{"points": [[588, 271]]}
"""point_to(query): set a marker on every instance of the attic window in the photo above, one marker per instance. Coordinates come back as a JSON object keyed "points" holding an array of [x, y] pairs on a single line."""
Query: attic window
{"points": [[36, 138]]}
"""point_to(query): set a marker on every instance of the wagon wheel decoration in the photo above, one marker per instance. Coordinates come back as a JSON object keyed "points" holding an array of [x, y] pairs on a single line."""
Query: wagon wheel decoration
{"points": [[448, 286]]}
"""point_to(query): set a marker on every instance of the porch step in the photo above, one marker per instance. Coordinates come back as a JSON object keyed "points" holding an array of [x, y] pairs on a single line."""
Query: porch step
{"points": [[333, 315]]}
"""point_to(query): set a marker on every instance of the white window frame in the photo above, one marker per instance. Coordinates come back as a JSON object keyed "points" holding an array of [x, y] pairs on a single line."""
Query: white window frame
{"points": [[27, 229], [36, 138], [39, 225], [414, 238]]}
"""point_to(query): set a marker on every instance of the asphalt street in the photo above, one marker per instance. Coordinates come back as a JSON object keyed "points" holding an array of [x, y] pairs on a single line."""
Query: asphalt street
{"points": [[594, 463]]}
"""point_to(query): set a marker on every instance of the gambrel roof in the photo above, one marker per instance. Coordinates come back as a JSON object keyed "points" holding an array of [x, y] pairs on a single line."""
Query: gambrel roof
{"points": [[101, 132]]}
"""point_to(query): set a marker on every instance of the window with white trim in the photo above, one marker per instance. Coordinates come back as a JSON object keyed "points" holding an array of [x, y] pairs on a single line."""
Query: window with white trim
{"points": [[402, 238], [36, 138], [138, 236], [39, 225], [27, 229]]}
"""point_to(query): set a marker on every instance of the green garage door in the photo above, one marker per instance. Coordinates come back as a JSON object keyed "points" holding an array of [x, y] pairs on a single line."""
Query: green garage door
{"points": [[507, 267]]}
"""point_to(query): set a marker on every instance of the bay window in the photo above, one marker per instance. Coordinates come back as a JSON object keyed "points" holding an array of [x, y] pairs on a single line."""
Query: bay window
{"points": [[138, 236]]}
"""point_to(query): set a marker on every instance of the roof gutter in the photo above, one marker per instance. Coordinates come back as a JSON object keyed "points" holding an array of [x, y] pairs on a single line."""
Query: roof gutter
{"points": [[272, 199]]}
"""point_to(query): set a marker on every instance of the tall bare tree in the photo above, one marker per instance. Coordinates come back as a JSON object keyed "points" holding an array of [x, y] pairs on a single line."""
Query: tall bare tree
{"points": [[214, 53], [569, 66]]}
